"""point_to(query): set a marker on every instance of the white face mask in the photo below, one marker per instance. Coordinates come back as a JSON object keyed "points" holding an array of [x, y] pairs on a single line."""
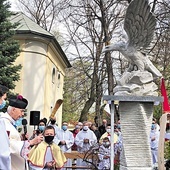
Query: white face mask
{"points": [[108, 130], [85, 128], [106, 144]]}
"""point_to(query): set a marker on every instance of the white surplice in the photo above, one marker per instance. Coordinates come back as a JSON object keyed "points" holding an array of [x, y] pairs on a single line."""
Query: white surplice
{"points": [[154, 145], [68, 137], [17, 162], [5, 158], [104, 163], [79, 140], [84, 147]]}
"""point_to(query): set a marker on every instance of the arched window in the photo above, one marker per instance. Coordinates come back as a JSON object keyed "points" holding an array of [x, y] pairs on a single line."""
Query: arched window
{"points": [[58, 81], [53, 76], [58, 76]]}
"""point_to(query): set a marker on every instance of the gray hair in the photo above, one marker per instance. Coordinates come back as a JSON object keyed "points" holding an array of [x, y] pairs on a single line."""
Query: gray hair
{"points": [[9, 109]]}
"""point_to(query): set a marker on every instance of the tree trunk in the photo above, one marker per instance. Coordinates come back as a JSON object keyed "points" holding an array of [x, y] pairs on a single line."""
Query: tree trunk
{"points": [[84, 112]]}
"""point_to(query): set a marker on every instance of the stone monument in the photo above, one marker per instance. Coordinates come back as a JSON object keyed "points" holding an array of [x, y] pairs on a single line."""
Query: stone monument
{"points": [[136, 90]]}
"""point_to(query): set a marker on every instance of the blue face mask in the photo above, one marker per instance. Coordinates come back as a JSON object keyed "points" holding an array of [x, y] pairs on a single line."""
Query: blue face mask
{"points": [[118, 126], [153, 127], [64, 127], [18, 122], [2, 105], [41, 128]]}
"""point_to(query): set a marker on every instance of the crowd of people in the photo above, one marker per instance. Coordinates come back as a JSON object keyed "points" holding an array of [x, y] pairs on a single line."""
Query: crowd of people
{"points": [[45, 148], [84, 137]]}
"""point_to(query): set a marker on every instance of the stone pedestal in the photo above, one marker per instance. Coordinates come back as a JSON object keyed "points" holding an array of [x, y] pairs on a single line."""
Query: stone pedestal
{"points": [[136, 113], [136, 120]]}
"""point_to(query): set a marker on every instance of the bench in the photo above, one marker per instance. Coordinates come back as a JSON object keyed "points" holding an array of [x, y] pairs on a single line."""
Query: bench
{"points": [[76, 155]]}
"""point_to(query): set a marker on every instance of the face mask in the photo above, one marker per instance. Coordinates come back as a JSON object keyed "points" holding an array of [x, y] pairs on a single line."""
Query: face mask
{"points": [[64, 127], [153, 127], [18, 122], [48, 139], [108, 130], [53, 122], [2, 105], [106, 144], [118, 126], [41, 128], [85, 128]]}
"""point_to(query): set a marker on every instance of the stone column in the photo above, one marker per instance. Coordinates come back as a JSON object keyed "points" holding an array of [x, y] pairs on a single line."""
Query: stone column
{"points": [[136, 120], [136, 114]]}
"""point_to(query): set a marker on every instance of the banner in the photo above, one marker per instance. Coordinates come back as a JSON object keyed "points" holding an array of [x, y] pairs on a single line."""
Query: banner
{"points": [[165, 104]]}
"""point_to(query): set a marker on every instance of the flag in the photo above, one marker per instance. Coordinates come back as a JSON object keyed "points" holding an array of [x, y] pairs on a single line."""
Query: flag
{"points": [[166, 107]]}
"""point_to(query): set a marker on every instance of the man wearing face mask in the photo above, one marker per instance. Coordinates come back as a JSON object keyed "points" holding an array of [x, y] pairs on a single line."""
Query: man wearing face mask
{"points": [[15, 110], [84, 140], [47, 155], [154, 141], [104, 154], [65, 139], [5, 159], [108, 134], [75, 131]]}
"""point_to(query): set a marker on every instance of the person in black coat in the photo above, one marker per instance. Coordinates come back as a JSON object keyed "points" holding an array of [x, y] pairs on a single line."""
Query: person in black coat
{"points": [[96, 131], [102, 128]]}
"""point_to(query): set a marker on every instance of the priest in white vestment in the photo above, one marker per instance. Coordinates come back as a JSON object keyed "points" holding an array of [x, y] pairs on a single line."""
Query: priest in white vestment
{"points": [[15, 110], [65, 139], [84, 140]]}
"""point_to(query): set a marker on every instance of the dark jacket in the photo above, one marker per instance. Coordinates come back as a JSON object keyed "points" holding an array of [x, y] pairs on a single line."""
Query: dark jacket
{"points": [[102, 129]]}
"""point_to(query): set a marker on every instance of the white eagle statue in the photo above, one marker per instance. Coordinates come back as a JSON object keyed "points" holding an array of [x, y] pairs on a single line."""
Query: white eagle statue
{"points": [[139, 25]]}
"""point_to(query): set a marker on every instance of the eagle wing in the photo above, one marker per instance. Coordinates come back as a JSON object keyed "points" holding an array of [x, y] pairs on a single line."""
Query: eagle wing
{"points": [[139, 24]]}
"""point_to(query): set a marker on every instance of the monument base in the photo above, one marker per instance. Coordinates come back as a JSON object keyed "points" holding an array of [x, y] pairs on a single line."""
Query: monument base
{"points": [[136, 113], [135, 168], [136, 120]]}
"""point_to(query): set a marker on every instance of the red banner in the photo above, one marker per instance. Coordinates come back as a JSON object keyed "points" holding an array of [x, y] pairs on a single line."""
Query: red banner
{"points": [[166, 107]]}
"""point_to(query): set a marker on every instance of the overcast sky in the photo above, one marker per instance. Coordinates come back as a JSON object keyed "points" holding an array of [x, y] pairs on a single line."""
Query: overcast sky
{"points": [[13, 5]]}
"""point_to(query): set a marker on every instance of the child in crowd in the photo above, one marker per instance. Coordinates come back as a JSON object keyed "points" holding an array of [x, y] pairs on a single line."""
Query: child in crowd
{"points": [[104, 155]]}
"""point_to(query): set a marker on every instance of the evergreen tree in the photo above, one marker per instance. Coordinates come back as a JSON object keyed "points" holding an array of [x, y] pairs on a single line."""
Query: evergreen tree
{"points": [[9, 48]]}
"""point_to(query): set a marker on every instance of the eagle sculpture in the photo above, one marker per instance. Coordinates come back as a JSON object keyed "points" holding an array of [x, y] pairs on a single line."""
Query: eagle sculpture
{"points": [[139, 25]]}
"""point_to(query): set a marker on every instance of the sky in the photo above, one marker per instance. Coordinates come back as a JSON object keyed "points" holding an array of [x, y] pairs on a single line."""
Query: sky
{"points": [[13, 5], [14, 8]]}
